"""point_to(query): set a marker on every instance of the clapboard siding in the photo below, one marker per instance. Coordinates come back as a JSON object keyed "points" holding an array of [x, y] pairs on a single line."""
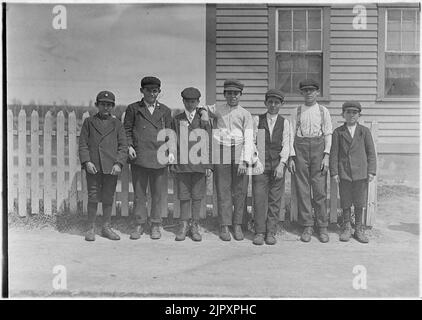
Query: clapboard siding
{"points": [[242, 49]]}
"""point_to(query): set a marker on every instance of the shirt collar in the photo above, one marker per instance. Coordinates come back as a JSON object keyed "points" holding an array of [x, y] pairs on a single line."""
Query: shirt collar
{"points": [[190, 113], [271, 116], [103, 116], [151, 105]]}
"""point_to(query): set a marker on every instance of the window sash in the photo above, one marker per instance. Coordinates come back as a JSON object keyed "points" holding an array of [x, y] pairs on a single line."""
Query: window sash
{"points": [[416, 31]]}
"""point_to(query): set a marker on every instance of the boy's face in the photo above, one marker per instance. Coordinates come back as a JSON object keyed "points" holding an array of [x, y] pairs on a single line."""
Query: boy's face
{"points": [[104, 107], [310, 94], [273, 105], [351, 116], [150, 94], [232, 97], [190, 104]]}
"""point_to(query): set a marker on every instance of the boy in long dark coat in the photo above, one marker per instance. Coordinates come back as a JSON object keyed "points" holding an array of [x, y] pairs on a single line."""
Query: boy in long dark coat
{"points": [[102, 152], [143, 121], [191, 169], [353, 164]]}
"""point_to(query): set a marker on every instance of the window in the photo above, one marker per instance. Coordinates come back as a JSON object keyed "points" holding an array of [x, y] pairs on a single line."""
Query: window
{"points": [[299, 48], [399, 54]]}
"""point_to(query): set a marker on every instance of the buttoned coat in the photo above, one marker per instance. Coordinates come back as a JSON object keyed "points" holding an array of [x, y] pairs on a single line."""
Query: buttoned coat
{"points": [[352, 158], [142, 129], [103, 145]]}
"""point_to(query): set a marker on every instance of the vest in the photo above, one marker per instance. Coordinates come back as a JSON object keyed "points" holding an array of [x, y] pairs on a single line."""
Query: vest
{"points": [[272, 146]]}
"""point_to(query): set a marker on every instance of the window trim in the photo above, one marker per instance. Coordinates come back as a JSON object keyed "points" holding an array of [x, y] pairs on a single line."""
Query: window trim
{"points": [[382, 36], [325, 49]]}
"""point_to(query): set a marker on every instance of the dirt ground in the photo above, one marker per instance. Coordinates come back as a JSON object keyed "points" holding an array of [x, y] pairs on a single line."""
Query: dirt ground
{"points": [[164, 268]]}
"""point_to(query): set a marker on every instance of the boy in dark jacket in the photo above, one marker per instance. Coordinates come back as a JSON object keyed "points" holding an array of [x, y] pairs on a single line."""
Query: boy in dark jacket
{"points": [[102, 152], [353, 164], [190, 172]]}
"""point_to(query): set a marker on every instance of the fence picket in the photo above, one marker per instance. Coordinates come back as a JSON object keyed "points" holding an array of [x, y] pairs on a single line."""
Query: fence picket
{"points": [[11, 193], [73, 164], [22, 163], [124, 181], [34, 162], [83, 179], [333, 200], [61, 192], [372, 205], [48, 188], [293, 200]]}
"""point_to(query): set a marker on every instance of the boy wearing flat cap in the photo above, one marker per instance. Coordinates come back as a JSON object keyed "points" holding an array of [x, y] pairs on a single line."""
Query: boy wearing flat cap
{"points": [[268, 187], [353, 164], [191, 175], [309, 159], [232, 136], [102, 152], [143, 121]]}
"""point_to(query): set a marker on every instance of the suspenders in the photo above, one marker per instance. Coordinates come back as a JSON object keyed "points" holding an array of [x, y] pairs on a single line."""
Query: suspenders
{"points": [[299, 113]]}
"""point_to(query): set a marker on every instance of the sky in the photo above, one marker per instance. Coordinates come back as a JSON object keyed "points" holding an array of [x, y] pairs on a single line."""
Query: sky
{"points": [[104, 47]]}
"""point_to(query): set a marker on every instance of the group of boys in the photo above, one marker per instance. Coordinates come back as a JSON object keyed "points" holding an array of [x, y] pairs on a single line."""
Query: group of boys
{"points": [[307, 146]]}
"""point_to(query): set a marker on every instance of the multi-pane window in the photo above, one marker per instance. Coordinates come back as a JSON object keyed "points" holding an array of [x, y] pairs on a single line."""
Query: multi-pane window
{"points": [[402, 53], [299, 48]]}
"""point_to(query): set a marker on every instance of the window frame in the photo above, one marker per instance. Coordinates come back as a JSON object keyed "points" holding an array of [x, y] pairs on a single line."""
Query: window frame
{"points": [[382, 36], [325, 48]]}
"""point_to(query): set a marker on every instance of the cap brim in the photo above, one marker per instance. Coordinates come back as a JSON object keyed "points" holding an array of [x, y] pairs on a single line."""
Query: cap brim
{"points": [[351, 108], [309, 87], [274, 96], [232, 89], [106, 100], [151, 86]]}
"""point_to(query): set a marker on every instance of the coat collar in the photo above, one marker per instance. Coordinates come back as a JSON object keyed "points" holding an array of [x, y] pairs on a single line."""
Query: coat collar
{"points": [[98, 124], [155, 117], [346, 134]]}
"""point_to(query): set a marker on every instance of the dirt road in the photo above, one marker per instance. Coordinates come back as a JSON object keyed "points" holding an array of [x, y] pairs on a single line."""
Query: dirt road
{"points": [[212, 268]]}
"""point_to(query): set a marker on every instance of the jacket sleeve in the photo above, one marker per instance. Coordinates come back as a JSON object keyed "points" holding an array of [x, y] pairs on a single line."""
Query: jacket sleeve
{"points": [[334, 154], [83, 143], [128, 124], [370, 153], [122, 147]]}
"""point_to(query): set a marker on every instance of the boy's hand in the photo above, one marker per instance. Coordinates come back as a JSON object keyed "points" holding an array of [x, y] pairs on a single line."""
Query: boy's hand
{"points": [[241, 169], [90, 168], [208, 172], [279, 171], [325, 164], [204, 115], [292, 166], [370, 177], [132, 153], [336, 178], [116, 170], [171, 158]]}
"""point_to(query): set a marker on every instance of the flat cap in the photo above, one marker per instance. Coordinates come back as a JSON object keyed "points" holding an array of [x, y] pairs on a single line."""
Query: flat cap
{"points": [[233, 85], [308, 83], [191, 93], [352, 105], [150, 82], [274, 93], [106, 96]]}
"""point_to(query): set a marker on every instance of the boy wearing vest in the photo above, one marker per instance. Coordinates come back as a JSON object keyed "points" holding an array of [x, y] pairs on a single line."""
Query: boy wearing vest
{"points": [[190, 175], [102, 152], [353, 164], [143, 121], [309, 159], [268, 187]]}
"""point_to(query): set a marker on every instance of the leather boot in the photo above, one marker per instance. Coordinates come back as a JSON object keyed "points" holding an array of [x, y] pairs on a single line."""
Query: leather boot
{"points": [[307, 234], [137, 232], [194, 231], [258, 239], [237, 232], [183, 230], [360, 234], [346, 232], [225, 233], [90, 234], [270, 238], [107, 232], [155, 231], [323, 235]]}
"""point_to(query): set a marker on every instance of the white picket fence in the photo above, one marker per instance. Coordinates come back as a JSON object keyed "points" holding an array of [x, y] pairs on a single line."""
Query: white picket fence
{"points": [[53, 188]]}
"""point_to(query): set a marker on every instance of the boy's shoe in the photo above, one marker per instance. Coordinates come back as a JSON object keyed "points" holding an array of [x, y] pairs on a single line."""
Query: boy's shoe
{"points": [[360, 234], [258, 239], [346, 232], [307, 234], [225, 233], [107, 232], [194, 231], [90, 234], [155, 231], [237, 232], [323, 235], [270, 239], [137, 232], [183, 230]]}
